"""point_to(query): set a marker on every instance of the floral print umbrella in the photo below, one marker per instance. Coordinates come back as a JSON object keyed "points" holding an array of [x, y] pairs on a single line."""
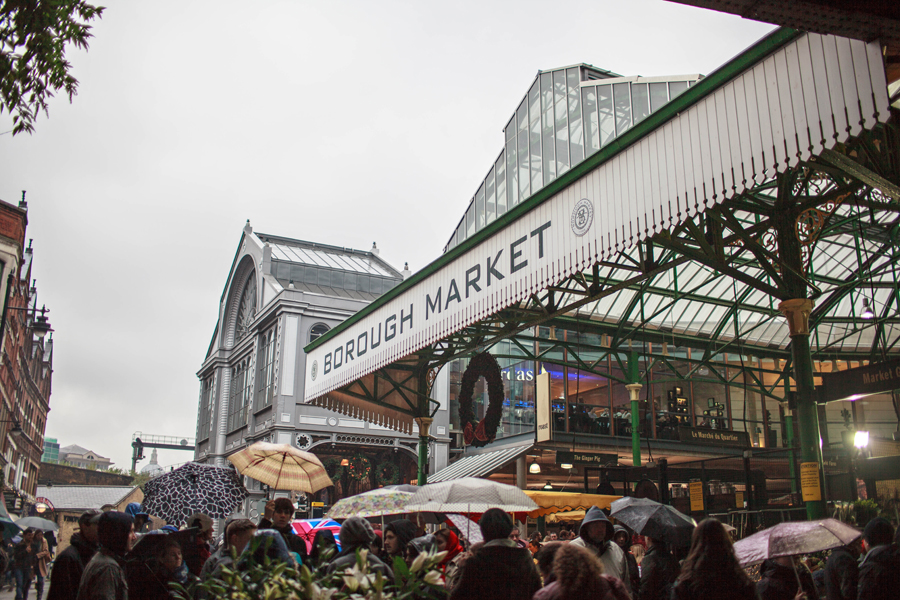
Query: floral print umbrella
{"points": [[193, 488], [374, 503]]}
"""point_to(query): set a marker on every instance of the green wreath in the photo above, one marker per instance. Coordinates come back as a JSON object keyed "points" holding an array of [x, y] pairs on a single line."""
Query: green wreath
{"points": [[481, 433], [360, 467], [386, 473], [333, 468]]}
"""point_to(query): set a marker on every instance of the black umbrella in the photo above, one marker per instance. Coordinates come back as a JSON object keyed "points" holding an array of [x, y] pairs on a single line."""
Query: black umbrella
{"points": [[150, 543], [652, 519], [193, 488]]}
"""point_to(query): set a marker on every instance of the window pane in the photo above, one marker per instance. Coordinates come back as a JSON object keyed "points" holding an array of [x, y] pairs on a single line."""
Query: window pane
{"points": [[500, 169], [534, 128], [461, 232], [591, 126], [676, 88], [512, 175], [470, 220], [523, 153], [605, 110], [560, 109], [350, 281], [310, 275], [641, 102], [576, 135], [479, 209], [547, 136], [623, 107], [490, 203], [659, 95], [324, 277], [337, 279]]}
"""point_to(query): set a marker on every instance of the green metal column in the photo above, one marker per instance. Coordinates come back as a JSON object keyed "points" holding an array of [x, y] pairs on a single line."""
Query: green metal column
{"points": [[424, 424], [797, 313], [789, 425], [634, 389]]}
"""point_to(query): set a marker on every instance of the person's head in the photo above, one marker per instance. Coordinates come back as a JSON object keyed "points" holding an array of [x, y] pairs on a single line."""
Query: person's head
{"points": [[595, 527], [324, 546], [38, 535], [711, 552], [356, 532], [169, 555], [495, 524], [621, 537], [266, 545], [514, 534], [397, 535], [115, 532], [878, 532], [416, 546], [545, 558], [577, 571], [28, 535], [87, 525], [536, 538], [447, 540], [238, 534], [283, 513], [203, 523]]}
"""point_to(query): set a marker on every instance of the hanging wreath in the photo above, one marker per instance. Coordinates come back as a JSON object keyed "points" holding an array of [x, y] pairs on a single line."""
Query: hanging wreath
{"points": [[481, 433], [386, 473], [333, 468], [359, 468]]}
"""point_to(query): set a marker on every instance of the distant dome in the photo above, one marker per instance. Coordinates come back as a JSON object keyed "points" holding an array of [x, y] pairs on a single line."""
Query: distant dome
{"points": [[153, 468]]}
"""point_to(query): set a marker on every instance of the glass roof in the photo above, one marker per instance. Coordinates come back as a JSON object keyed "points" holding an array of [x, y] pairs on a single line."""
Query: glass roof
{"points": [[331, 257], [568, 114]]}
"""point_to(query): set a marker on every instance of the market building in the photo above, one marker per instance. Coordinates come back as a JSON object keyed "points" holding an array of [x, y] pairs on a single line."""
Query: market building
{"points": [[663, 272], [282, 293]]}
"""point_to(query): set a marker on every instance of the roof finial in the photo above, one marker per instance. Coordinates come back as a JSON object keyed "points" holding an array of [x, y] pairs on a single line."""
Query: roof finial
{"points": [[247, 229], [22, 203], [374, 249], [406, 272]]}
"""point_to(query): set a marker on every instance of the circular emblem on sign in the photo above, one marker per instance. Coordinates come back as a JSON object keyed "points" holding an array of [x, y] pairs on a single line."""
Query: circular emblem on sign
{"points": [[582, 217], [332, 421], [315, 370]]}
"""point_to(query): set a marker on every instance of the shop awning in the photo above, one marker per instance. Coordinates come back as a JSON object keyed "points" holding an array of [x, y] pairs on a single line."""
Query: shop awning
{"points": [[480, 465], [558, 502]]}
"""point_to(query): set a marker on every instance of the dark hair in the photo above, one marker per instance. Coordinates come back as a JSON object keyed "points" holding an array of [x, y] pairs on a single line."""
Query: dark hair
{"points": [[324, 547], [878, 532], [164, 547], [86, 517], [113, 530], [711, 559], [495, 524], [404, 531], [545, 557], [283, 505]]}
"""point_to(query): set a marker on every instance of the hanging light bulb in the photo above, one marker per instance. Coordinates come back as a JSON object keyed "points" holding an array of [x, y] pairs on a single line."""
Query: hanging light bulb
{"points": [[345, 462], [547, 486], [867, 310], [534, 467]]}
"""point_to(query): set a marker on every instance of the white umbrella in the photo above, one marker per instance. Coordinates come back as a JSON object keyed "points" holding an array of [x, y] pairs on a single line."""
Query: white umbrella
{"points": [[467, 527], [469, 495]]}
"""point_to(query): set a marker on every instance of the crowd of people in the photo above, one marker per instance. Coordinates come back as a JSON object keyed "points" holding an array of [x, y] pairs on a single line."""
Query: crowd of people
{"points": [[598, 561]]}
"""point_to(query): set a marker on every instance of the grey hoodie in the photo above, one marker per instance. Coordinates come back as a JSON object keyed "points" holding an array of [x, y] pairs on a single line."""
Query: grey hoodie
{"points": [[609, 553]]}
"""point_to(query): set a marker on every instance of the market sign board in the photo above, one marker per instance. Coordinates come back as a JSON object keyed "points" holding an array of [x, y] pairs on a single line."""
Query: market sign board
{"points": [[542, 408], [854, 384], [586, 458], [713, 437], [699, 150]]}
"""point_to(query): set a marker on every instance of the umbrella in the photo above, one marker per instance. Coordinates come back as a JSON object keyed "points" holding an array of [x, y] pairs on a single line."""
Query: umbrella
{"points": [[307, 529], [37, 523], [469, 495], [193, 488], [402, 487], [282, 467], [9, 527], [374, 503], [659, 521], [467, 527], [794, 537]]}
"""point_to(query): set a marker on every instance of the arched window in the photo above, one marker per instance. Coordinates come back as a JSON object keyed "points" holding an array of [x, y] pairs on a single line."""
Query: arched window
{"points": [[246, 308], [317, 331]]}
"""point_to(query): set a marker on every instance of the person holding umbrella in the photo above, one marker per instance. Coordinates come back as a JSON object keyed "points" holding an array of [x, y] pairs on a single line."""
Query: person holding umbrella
{"points": [[711, 570], [24, 561], [279, 519], [779, 580], [659, 569]]}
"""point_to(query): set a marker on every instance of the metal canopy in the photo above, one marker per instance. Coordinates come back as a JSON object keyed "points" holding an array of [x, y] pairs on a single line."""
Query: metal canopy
{"points": [[706, 273]]}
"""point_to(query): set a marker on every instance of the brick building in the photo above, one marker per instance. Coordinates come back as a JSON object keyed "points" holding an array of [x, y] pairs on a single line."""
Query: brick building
{"points": [[26, 357]]}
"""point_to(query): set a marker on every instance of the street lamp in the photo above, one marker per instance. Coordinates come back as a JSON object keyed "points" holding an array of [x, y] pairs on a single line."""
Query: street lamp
{"points": [[534, 467], [15, 431], [861, 439], [40, 326]]}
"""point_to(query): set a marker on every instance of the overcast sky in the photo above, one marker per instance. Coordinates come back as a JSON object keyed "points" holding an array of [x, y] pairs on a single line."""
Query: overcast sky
{"points": [[336, 122]]}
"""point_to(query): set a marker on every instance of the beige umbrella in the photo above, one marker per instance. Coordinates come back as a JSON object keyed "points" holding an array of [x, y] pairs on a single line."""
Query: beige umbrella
{"points": [[282, 467]]}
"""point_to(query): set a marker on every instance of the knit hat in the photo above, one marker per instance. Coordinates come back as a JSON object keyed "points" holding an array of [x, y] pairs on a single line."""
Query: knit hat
{"points": [[356, 532], [495, 524], [878, 532]]}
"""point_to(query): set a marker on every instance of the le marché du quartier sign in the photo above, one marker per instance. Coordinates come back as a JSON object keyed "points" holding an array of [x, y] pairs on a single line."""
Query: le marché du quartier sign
{"points": [[853, 384], [713, 437]]}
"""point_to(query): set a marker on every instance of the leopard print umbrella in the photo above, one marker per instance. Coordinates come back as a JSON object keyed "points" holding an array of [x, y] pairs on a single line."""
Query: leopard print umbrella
{"points": [[193, 488]]}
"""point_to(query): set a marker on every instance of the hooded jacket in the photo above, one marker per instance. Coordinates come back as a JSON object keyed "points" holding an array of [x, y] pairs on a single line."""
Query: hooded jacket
{"points": [[659, 570], [841, 575], [104, 576], [68, 568], [879, 573], [499, 570], [611, 556], [404, 530], [357, 534]]}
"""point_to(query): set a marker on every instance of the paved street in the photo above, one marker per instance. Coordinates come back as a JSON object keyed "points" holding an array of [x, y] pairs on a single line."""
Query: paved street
{"points": [[5, 594]]}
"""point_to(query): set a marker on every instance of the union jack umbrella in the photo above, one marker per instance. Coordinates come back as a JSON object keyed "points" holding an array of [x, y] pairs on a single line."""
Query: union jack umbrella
{"points": [[282, 467]]}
